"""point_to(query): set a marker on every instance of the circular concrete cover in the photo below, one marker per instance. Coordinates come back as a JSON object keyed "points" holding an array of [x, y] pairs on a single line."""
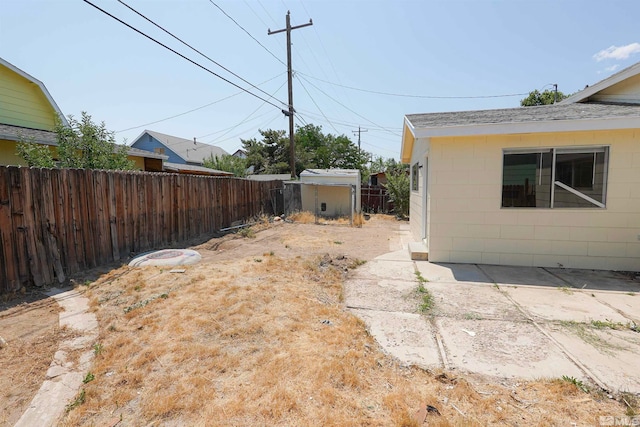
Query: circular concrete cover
{"points": [[167, 257]]}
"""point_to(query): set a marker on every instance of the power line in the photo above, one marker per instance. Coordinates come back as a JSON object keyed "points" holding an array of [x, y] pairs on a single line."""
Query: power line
{"points": [[248, 33], [404, 95], [317, 106], [193, 109], [181, 55], [196, 50], [267, 123], [245, 119], [302, 119], [255, 13], [345, 95], [234, 126], [344, 106], [352, 125], [267, 12]]}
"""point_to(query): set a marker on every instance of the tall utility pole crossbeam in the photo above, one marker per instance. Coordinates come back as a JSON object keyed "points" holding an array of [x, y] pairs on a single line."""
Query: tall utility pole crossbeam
{"points": [[359, 131], [290, 113]]}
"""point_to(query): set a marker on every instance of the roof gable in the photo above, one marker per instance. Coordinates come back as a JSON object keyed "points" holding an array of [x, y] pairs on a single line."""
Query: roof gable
{"points": [[591, 92], [22, 106], [189, 151]]}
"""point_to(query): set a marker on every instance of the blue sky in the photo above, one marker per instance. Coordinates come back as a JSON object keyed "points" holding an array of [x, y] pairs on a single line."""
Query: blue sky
{"points": [[89, 62]]}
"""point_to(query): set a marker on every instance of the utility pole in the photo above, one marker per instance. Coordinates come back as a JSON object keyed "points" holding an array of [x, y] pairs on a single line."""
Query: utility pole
{"points": [[359, 131], [292, 160], [555, 93]]}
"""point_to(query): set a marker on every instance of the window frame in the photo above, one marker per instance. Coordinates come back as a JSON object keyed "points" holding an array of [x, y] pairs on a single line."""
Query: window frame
{"points": [[415, 177], [605, 149]]}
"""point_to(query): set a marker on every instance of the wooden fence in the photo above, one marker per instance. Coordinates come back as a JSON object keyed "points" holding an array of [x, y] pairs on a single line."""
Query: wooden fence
{"points": [[57, 222], [374, 199]]}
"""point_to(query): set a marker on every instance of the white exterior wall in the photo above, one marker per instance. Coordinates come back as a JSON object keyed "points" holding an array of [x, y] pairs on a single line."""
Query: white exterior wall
{"points": [[468, 225]]}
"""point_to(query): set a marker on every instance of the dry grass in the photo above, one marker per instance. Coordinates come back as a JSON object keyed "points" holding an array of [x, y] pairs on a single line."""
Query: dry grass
{"points": [[304, 217], [25, 358], [21, 377], [307, 217], [263, 340]]}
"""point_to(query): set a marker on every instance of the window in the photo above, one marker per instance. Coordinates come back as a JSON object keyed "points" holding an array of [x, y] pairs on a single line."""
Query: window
{"points": [[555, 178], [414, 177]]}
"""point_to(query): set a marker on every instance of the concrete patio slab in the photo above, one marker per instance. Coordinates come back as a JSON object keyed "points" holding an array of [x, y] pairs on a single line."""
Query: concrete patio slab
{"points": [[562, 304], [453, 300], [503, 349], [384, 295], [508, 275], [534, 324], [610, 355], [400, 255], [596, 279], [386, 269], [406, 336], [627, 304], [450, 273]]}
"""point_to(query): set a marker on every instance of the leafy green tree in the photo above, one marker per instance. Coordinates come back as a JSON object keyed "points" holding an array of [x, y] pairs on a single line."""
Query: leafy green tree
{"points": [[228, 163], [36, 155], [327, 151], [83, 144], [398, 189], [270, 155], [546, 97]]}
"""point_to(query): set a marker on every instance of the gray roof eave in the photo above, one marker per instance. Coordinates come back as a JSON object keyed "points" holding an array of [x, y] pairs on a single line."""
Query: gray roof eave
{"points": [[553, 118]]}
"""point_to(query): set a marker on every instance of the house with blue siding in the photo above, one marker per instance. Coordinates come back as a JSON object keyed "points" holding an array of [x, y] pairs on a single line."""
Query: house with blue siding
{"points": [[179, 150]]}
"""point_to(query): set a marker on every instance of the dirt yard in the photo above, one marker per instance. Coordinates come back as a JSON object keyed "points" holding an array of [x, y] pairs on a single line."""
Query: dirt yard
{"points": [[256, 334], [29, 337]]}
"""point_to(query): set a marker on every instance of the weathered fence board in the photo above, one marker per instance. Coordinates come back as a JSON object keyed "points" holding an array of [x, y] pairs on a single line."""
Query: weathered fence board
{"points": [[57, 222]]}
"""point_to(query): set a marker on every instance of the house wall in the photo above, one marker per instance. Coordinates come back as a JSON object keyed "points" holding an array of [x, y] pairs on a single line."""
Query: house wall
{"points": [[627, 90], [467, 223], [138, 162], [337, 199], [149, 143], [416, 198], [23, 103], [8, 154]]}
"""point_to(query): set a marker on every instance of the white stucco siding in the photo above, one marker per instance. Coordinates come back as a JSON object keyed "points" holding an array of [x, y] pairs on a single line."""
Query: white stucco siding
{"points": [[467, 223]]}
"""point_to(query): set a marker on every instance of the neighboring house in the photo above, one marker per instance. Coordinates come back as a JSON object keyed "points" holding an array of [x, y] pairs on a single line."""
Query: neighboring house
{"points": [[28, 112], [331, 192], [240, 153], [378, 178], [550, 186], [179, 150]]}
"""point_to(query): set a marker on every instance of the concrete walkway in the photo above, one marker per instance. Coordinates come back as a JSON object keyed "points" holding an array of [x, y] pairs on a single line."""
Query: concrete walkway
{"points": [[64, 377], [501, 321]]}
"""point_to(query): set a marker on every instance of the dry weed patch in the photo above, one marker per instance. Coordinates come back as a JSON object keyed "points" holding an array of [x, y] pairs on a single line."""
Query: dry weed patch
{"points": [[237, 342]]}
